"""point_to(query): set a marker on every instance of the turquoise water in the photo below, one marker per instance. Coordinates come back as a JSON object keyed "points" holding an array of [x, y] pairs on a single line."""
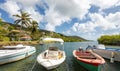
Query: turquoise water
{"points": [[30, 63]]}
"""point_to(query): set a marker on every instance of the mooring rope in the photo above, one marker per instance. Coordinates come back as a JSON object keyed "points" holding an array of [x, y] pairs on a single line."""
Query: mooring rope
{"points": [[67, 66], [106, 66], [33, 65]]}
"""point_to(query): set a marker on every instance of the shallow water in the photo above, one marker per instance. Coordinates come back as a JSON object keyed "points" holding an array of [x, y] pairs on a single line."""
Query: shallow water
{"points": [[30, 63]]}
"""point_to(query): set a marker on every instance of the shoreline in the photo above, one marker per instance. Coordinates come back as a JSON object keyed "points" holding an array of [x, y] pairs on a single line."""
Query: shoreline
{"points": [[11, 43]]}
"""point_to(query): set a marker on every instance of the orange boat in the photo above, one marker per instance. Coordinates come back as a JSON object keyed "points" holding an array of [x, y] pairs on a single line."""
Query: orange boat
{"points": [[89, 59]]}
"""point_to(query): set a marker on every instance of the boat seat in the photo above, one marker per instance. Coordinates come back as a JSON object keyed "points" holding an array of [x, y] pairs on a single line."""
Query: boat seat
{"points": [[53, 48], [87, 57]]}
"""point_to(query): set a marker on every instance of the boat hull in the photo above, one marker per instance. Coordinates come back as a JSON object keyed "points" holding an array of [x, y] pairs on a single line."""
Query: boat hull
{"points": [[108, 54], [89, 60], [17, 55], [89, 66], [50, 63]]}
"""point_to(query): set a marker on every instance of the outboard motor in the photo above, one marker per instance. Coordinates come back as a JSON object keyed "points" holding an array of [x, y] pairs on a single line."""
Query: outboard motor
{"points": [[80, 49], [94, 47], [89, 47]]}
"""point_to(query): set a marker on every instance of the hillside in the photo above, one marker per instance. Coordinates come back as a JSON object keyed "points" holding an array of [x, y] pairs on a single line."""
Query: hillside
{"points": [[6, 28]]}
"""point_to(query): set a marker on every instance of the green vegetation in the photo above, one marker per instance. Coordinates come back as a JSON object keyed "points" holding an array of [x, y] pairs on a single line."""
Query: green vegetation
{"points": [[110, 39], [33, 32], [44, 33], [25, 22], [4, 28]]}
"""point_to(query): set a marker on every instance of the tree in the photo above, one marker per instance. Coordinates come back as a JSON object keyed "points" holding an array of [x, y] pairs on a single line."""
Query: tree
{"points": [[23, 19], [109, 39], [34, 29], [34, 26]]}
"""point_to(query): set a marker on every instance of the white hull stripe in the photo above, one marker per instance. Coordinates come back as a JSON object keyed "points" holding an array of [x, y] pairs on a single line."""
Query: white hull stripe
{"points": [[17, 55]]}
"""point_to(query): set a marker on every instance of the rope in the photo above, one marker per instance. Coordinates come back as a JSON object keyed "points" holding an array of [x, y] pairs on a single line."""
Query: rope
{"points": [[67, 66], [33, 65], [106, 66]]}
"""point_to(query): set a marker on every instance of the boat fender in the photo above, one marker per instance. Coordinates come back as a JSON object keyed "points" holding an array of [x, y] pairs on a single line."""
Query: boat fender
{"points": [[45, 54], [112, 57]]}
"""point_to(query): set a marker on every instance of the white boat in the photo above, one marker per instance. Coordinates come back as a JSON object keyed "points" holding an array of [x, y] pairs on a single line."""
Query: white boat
{"points": [[14, 53], [53, 56]]}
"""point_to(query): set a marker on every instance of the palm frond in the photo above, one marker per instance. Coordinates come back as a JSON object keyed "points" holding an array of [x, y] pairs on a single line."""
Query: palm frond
{"points": [[17, 16], [17, 21]]}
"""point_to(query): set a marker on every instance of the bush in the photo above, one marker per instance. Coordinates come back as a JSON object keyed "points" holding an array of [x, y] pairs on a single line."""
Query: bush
{"points": [[2, 38]]}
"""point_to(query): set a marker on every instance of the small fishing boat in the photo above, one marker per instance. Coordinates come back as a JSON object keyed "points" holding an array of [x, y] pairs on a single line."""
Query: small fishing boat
{"points": [[89, 59], [53, 56], [109, 53], [14, 53]]}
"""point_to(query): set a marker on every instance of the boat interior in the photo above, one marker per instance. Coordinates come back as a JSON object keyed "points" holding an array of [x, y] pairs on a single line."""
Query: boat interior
{"points": [[53, 53], [86, 55]]}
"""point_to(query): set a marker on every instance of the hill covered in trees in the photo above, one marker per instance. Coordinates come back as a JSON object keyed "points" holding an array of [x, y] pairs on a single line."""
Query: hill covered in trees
{"points": [[110, 39], [6, 28]]}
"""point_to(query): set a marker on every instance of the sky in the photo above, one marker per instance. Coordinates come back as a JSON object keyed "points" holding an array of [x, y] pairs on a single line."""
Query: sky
{"points": [[89, 19]]}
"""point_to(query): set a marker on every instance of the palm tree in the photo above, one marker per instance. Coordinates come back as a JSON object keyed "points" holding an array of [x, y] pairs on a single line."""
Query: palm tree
{"points": [[34, 29], [34, 26], [23, 19]]}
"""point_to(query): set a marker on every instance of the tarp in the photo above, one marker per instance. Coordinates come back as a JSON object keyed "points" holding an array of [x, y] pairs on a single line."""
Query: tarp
{"points": [[52, 40]]}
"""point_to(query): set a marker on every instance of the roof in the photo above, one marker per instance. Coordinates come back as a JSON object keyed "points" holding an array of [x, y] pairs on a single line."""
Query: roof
{"points": [[52, 40]]}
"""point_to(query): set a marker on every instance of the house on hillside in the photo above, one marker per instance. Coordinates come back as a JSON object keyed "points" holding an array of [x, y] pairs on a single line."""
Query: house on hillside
{"points": [[19, 35], [26, 38]]}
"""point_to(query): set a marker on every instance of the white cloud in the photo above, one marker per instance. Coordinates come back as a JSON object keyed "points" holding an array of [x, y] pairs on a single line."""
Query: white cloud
{"points": [[118, 3], [103, 4], [63, 10], [83, 27], [107, 25], [114, 19], [13, 6], [27, 3], [72, 8], [34, 14], [101, 22], [54, 19], [109, 22], [10, 7]]}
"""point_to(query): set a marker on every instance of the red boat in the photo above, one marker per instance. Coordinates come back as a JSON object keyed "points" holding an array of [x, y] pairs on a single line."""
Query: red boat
{"points": [[89, 59]]}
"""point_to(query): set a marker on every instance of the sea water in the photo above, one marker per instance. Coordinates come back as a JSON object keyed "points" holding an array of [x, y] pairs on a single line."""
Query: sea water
{"points": [[30, 63]]}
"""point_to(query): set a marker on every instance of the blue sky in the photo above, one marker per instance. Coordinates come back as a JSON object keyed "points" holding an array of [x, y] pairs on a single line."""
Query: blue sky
{"points": [[89, 19]]}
